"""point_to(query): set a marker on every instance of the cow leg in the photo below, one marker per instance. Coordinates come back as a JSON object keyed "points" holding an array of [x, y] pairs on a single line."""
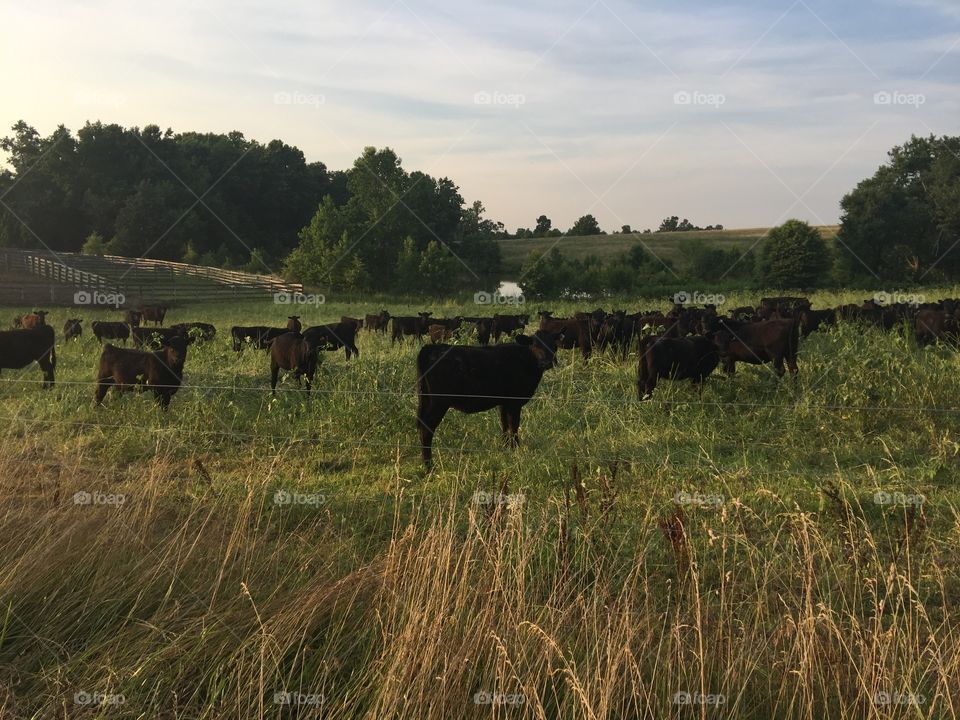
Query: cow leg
{"points": [[792, 364], [429, 415], [778, 366], [309, 380], [514, 418], [103, 385], [274, 372], [504, 421]]}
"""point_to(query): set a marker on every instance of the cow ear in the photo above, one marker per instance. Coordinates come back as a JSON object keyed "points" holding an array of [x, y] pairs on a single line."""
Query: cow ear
{"points": [[522, 339]]}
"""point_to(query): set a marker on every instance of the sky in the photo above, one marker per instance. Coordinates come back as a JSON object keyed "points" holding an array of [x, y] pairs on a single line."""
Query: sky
{"points": [[744, 114]]}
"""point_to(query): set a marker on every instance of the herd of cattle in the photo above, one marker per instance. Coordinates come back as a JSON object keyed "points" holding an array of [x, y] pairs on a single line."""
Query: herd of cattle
{"points": [[686, 343]]}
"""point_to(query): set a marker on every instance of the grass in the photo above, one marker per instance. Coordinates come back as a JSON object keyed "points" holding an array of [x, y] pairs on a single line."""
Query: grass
{"points": [[666, 246], [387, 592]]}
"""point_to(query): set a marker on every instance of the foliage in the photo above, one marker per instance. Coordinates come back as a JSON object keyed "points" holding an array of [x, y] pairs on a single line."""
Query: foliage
{"points": [[793, 255], [585, 225]]}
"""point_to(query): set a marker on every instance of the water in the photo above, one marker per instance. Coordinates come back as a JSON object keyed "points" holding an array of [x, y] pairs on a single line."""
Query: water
{"points": [[508, 288]]}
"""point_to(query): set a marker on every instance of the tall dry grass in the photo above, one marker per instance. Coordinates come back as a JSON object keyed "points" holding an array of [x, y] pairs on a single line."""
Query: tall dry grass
{"points": [[196, 599]]}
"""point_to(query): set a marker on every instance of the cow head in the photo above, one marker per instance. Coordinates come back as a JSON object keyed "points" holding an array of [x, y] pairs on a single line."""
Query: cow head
{"points": [[175, 352], [543, 344]]}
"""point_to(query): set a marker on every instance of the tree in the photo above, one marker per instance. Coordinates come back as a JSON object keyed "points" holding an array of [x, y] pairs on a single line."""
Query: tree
{"points": [[903, 223], [793, 255], [542, 227], [586, 225], [625, 230], [94, 244], [408, 266], [437, 271]]}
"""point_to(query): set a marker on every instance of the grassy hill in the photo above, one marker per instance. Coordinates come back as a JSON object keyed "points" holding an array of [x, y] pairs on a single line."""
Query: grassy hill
{"points": [[664, 245]]}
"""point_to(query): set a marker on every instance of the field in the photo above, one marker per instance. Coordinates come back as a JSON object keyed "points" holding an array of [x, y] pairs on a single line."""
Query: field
{"points": [[770, 548], [666, 246]]}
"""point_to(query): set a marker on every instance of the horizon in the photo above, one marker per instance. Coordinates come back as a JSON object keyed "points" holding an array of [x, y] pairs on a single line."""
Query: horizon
{"points": [[761, 114]]}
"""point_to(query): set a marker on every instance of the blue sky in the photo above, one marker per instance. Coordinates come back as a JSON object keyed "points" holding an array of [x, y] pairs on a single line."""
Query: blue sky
{"points": [[739, 113]]}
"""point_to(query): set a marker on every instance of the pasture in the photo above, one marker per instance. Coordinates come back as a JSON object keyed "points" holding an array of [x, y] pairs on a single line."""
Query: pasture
{"points": [[765, 548]]}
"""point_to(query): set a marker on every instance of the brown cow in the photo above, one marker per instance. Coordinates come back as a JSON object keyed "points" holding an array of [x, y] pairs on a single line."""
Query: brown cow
{"points": [[377, 323], [34, 319], [133, 318], [160, 371], [335, 336], [760, 342], [933, 325], [575, 332], [688, 358], [293, 323], [296, 353], [153, 313]]}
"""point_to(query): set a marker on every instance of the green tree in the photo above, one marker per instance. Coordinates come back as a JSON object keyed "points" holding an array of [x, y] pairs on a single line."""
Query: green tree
{"points": [[542, 227], [793, 255], [437, 270], [586, 225], [408, 266], [94, 244]]}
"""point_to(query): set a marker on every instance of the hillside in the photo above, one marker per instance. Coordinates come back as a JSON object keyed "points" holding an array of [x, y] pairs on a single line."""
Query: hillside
{"points": [[665, 245]]}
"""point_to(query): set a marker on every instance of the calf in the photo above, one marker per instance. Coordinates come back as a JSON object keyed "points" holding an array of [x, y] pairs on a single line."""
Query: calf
{"points": [[403, 326], [294, 352], [760, 342], [473, 379], [812, 320], [260, 336], [153, 313], [110, 331], [508, 325], [133, 318], [34, 319], [377, 323], [335, 336], [293, 323], [19, 348], [933, 325], [72, 329], [688, 358], [575, 333], [160, 370]]}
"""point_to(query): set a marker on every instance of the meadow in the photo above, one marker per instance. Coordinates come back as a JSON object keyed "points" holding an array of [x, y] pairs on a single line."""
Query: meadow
{"points": [[667, 246], [765, 548]]}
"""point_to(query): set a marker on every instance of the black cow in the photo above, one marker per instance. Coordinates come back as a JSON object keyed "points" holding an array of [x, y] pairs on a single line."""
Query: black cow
{"points": [[334, 336], [292, 351], [19, 348], [133, 318], [153, 313], [160, 370], [104, 330], [293, 324], [72, 328], [508, 325], [473, 379], [201, 331], [155, 337], [378, 323], [413, 325], [687, 358], [260, 336], [813, 320]]}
